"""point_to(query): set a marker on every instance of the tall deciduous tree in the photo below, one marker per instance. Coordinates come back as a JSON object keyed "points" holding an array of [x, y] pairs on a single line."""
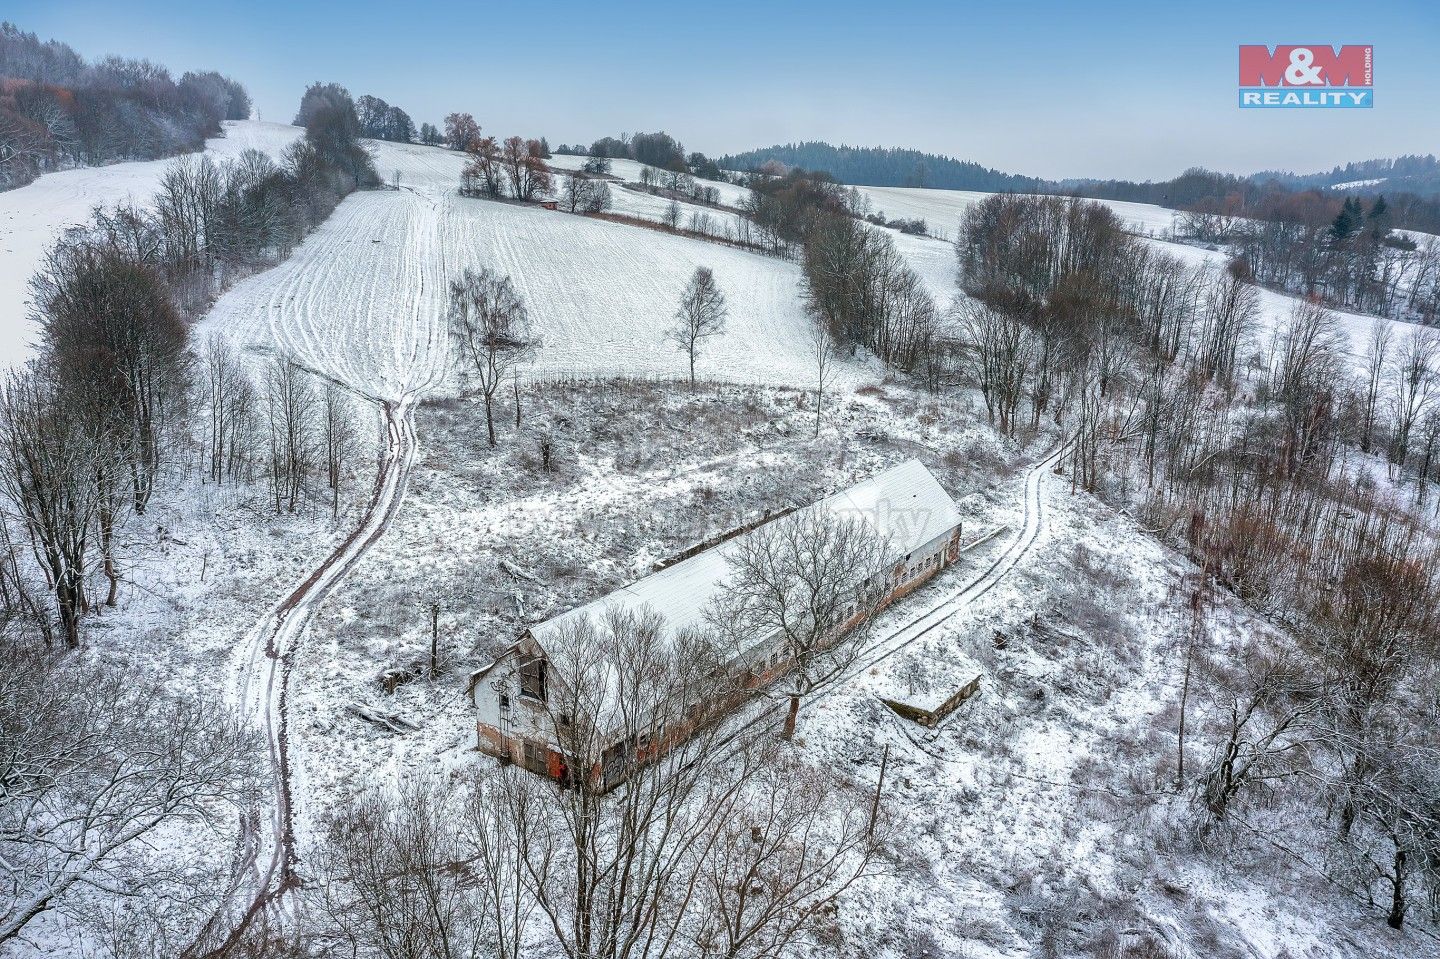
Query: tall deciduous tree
{"points": [[117, 345], [700, 316], [812, 580], [461, 131], [490, 329]]}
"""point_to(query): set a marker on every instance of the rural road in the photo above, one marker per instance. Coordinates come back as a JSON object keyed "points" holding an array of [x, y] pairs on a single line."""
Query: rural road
{"points": [[1019, 545], [266, 857]]}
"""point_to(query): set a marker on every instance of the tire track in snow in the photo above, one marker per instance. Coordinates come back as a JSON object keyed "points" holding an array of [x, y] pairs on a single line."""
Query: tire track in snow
{"points": [[872, 654], [264, 870]]}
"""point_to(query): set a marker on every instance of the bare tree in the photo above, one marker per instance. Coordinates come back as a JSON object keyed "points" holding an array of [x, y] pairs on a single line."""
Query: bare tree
{"points": [[672, 215], [1377, 358], [397, 863], [795, 843], [525, 166], [461, 131], [585, 195], [1413, 382], [117, 343], [50, 455], [490, 329], [484, 175], [95, 764], [1266, 738], [700, 316], [714, 845], [1308, 371], [337, 435], [825, 354], [809, 582], [291, 408], [225, 382], [1000, 354], [1227, 322]]}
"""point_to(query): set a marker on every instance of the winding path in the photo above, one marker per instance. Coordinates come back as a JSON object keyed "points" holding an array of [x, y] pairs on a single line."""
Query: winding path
{"points": [[386, 344], [266, 857]]}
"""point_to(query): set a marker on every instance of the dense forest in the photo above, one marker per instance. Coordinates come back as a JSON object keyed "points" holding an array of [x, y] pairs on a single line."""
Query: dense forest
{"points": [[58, 111], [885, 166]]}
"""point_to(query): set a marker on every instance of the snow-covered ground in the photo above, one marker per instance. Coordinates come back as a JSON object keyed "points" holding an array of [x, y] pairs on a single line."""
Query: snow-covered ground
{"points": [[630, 171], [942, 209], [1275, 307], [645, 206], [1356, 184], [33, 216], [1037, 815], [359, 299]]}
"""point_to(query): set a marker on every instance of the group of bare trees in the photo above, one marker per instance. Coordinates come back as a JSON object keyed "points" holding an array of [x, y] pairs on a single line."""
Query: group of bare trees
{"points": [[717, 844], [860, 287], [857, 284], [57, 111], [1350, 258], [515, 168], [1247, 450], [583, 193], [381, 121], [96, 764], [88, 428]]}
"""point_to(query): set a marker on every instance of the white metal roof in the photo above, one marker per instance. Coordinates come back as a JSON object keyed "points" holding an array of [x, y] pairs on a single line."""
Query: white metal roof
{"points": [[904, 505]]}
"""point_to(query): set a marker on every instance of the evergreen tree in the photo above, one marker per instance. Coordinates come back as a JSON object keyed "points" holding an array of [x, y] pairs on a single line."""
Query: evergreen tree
{"points": [[1378, 220], [1348, 221]]}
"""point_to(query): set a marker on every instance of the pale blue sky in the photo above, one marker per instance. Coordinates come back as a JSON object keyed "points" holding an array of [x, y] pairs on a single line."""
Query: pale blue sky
{"points": [[1053, 89]]}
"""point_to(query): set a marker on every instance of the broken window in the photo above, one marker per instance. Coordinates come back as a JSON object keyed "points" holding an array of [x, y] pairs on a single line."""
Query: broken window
{"points": [[535, 758], [532, 679]]}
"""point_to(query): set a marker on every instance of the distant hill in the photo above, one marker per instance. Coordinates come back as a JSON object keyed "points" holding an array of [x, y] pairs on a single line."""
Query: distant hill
{"points": [[1409, 174], [885, 166]]}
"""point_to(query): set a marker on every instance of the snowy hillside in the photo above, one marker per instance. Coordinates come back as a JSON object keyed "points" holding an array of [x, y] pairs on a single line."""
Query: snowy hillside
{"points": [[364, 298], [630, 171], [942, 209], [32, 216]]}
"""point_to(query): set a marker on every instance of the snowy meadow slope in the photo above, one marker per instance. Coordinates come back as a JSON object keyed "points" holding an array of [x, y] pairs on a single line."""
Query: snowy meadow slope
{"points": [[942, 210], [33, 216], [359, 300]]}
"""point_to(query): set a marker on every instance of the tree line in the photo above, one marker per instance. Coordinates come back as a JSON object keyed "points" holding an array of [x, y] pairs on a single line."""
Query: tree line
{"points": [[659, 150], [858, 286], [57, 110], [380, 121], [1340, 251], [1253, 451], [89, 428], [883, 166]]}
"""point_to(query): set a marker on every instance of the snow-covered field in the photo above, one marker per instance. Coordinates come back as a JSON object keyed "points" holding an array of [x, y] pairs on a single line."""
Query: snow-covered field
{"points": [[630, 171], [942, 209], [362, 298], [32, 216]]}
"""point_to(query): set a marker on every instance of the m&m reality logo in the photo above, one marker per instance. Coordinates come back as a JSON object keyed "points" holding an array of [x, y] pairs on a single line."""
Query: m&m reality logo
{"points": [[1309, 75]]}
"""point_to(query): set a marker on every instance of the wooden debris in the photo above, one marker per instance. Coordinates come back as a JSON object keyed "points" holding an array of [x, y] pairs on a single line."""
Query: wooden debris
{"points": [[390, 722]]}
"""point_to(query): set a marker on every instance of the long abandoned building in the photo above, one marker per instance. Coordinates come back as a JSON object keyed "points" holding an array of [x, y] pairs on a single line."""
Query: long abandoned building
{"points": [[904, 506]]}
